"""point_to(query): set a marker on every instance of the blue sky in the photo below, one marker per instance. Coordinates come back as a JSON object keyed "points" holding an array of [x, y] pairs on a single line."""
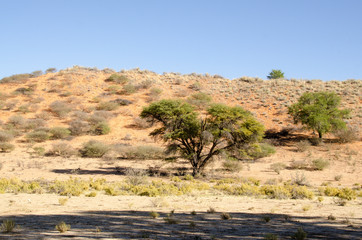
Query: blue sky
{"points": [[309, 39]]}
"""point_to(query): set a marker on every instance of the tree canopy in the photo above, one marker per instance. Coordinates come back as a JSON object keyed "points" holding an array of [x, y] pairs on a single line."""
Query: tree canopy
{"points": [[319, 112], [199, 139], [275, 74]]}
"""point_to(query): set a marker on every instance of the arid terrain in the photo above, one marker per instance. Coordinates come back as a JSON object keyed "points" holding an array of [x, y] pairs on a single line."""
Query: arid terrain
{"points": [[133, 191]]}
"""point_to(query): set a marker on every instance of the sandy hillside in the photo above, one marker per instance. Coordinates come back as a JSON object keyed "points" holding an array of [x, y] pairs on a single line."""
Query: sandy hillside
{"points": [[78, 98]]}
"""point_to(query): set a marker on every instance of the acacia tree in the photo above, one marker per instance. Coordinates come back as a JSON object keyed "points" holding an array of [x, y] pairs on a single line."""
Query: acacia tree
{"points": [[319, 112], [223, 128], [275, 74]]}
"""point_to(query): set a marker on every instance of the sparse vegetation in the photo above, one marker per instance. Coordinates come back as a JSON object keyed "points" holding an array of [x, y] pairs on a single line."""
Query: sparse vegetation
{"points": [[62, 227], [8, 226], [94, 149]]}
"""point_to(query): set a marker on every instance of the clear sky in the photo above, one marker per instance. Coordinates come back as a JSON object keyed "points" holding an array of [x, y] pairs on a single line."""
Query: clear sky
{"points": [[309, 39]]}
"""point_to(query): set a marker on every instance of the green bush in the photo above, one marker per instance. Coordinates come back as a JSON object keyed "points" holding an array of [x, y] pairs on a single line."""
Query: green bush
{"points": [[116, 78], [37, 136], [129, 89], [319, 164], [277, 167], [107, 106], [17, 78], [275, 74], [140, 152], [101, 128], [94, 149], [59, 133]]}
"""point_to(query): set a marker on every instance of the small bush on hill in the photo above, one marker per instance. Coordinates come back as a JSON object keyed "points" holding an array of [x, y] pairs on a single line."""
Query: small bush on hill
{"points": [[51, 70], [107, 106], [59, 133], [116, 78], [302, 146], [122, 102], [62, 149], [6, 136], [347, 135], [94, 149], [16, 121], [6, 147], [17, 78], [319, 164], [200, 100], [129, 89], [60, 109], [101, 128], [37, 136], [140, 152], [79, 127], [24, 91]]}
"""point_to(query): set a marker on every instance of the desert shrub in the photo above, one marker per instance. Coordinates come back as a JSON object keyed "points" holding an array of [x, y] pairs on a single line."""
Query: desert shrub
{"points": [[31, 124], [225, 216], [7, 226], [265, 151], [270, 236], [122, 102], [94, 149], [299, 164], [316, 141], [302, 146], [101, 128], [51, 70], [78, 127], [195, 86], [4, 96], [300, 234], [276, 192], [347, 135], [342, 193], [23, 109], [200, 100], [232, 165], [62, 149], [60, 109], [37, 136], [136, 176], [154, 94], [24, 91], [145, 84], [140, 152], [277, 167], [319, 164], [129, 89], [300, 192], [17, 78], [113, 89], [107, 106], [59, 133], [16, 121], [37, 73], [6, 147], [116, 78], [43, 115], [141, 123], [299, 179], [62, 227], [154, 214], [6, 136]]}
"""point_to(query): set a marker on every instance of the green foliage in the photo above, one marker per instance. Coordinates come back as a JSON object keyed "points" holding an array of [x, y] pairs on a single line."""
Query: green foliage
{"points": [[62, 227], [300, 234], [275, 74], [59, 133], [8, 226], [319, 164], [37, 136], [199, 139], [101, 128], [129, 89], [60, 109], [116, 78], [319, 112], [17, 78], [200, 100], [94, 149]]}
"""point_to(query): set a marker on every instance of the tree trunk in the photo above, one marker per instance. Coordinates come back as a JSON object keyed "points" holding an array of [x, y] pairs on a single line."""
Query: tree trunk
{"points": [[320, 134]]}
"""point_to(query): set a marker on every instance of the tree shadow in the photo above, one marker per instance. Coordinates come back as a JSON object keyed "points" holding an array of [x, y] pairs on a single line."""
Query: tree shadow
{"points": [[202, 225]]}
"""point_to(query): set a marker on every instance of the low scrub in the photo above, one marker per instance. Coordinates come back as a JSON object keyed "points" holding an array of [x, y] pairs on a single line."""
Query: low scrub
{"points": [[37, 136], [319, 164], [62, 149], [60, 109], [347, 135], [107, 106], [94, 149], [6, 147], [17, 78], [140, 152], [6, 136], [116, 78], [59, 133]]}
